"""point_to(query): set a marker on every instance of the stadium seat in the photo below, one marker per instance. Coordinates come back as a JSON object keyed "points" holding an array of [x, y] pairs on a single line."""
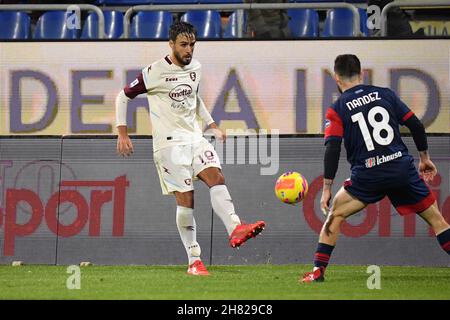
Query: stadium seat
{"points": [[350, 1], [174, 1], [14, 25], [303, 22], [231, 28], [220, 1], [113, 25], [338, 23], [208, 23], [151, 24], [122, 2], [363, 21], [53, 25]]}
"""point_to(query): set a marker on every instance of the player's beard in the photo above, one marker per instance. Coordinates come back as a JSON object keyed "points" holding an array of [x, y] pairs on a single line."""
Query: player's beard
{"points": [[183, 61]]}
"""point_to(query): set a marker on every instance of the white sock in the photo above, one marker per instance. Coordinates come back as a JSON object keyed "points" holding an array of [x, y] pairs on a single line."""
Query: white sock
{"points": [[223, 207], [187, 229]]}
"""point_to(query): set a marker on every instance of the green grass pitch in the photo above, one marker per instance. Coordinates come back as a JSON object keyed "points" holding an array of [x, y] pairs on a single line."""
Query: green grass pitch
{"points": [[256, 282]]}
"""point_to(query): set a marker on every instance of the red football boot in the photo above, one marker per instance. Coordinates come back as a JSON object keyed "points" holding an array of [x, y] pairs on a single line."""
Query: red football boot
{"points": [[315, 276], [243, 232], [198, 269]]}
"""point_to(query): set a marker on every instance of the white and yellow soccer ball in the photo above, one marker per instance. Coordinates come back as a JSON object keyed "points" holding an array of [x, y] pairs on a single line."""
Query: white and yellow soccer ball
{"points": [[291, 187]]}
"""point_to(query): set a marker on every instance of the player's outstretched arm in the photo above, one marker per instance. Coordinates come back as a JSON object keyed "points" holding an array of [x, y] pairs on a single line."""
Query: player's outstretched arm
{"points": [[124, 144], [427, 169]]}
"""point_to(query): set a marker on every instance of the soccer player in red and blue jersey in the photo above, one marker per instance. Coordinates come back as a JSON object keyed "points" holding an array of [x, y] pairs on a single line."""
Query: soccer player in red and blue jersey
{"points": [[367, 118]]}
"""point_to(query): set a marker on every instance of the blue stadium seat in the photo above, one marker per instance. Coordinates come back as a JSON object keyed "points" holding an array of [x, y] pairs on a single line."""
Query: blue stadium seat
{"points": [[208, 23], [151, 24], [113, 25], [53, 25], [363, 21], [122, 2], [174, 1], [14, 25], [350, 1], [303, 22], [231, 28], [220, 1], [338, 23]]}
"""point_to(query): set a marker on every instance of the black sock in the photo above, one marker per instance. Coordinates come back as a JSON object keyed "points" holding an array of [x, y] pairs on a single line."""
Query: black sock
{"points": [[322, 256], [444, 240]]}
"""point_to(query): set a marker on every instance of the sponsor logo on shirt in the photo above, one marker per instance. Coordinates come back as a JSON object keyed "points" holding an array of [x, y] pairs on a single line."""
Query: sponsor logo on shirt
{"points": [[375, 161], [193, 76], [180, 92]]}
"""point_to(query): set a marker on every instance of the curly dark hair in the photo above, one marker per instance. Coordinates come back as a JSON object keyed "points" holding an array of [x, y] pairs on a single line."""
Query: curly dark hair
{"points": [[181, 27]]}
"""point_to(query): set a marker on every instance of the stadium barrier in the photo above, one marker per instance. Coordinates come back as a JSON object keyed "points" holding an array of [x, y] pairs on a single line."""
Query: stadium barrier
{"points": [[182, 8], [69, 199], [48, 7], [240, 8], [409, 4]]}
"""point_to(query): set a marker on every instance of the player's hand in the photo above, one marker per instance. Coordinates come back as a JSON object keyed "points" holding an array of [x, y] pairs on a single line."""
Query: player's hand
{"points": [[124, 145], [325, 201], [219, 134], [427, 169]]}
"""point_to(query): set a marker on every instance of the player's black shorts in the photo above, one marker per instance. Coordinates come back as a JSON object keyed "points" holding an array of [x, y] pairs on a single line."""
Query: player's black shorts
{"points": [[398, 180]]}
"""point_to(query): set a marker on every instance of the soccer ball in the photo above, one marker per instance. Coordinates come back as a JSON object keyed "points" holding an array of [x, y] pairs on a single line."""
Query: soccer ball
{"points": [[291, 187]]}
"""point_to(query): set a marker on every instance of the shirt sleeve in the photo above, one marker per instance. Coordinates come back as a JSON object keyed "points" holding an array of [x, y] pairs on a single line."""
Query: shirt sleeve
{"points": [[401, 110], [203, 112], [334, 128], [136, 87]]}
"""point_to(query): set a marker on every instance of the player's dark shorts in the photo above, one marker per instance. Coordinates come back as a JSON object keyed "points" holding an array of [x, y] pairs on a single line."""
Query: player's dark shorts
{"points": [[398, 180]]}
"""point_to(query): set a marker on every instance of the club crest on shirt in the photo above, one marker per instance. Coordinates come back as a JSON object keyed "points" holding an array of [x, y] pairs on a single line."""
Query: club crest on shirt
{"points": [[193, 76]]}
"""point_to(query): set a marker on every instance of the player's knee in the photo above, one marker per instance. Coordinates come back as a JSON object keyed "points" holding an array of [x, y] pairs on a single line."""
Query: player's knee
{"points": [[215, 180], [220, 179], [185, 199], [337, 214]]}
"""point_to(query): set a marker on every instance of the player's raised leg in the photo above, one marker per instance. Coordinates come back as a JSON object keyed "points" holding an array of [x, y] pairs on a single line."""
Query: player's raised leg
{"points": [[440, 227], [188, 232], [223, 206], [344, 205]]}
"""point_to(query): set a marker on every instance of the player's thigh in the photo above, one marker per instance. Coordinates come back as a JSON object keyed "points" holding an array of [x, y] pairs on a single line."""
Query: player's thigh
{"points": [[344, 204], [413, 196], [205, 156], [174, 169]]}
